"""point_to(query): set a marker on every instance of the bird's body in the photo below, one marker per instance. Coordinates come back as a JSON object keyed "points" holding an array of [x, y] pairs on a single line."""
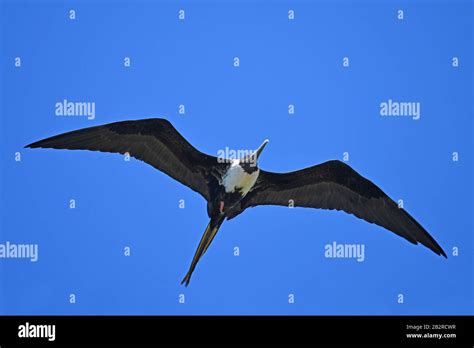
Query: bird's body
{"points": [[236, 178], [230, 187]]}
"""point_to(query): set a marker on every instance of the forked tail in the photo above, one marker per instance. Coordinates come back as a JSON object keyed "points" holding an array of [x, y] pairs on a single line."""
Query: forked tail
{"points": [[206, 240]]}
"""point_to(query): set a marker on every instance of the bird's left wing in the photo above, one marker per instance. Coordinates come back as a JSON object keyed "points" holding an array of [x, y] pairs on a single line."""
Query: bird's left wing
{"points": [[336, 186], [154, 141]]}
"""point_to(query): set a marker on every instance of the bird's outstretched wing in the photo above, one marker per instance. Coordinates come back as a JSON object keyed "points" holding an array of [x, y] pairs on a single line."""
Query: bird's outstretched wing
{"points": [[154, 141], [335, 185]]}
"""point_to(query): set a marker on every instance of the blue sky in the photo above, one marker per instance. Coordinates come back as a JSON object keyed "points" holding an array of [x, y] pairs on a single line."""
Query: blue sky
{"points": [[123, 204]]}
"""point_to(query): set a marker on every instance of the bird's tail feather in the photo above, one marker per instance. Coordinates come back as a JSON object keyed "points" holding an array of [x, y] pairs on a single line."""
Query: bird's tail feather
{"points": [[206, 240]]}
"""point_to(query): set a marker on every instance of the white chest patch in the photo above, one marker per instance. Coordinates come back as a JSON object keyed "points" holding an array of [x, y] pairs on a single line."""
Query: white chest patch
{"points": [[237, 179]]}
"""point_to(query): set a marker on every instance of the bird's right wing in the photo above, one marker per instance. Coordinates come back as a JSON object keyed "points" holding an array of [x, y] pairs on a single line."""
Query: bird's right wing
{"points": [[154, 141], [336, 186]]}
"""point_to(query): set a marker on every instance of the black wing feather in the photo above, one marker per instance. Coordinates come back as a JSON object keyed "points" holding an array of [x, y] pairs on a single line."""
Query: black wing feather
{"points": [[154, 141], [335, 185]]}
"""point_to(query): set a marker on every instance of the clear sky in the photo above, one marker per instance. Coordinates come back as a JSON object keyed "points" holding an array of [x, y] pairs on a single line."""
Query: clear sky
{"points": [[190, 62]]}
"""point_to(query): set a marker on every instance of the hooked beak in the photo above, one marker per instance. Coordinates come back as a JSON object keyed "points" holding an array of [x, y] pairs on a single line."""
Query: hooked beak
{"points": [[260, 149]]}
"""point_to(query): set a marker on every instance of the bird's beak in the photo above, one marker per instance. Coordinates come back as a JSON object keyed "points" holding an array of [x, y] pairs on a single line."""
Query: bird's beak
{"points": [[260, 149]]}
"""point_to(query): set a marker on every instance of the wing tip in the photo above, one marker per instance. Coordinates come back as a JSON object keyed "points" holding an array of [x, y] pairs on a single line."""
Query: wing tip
{"points": [[34, 145], [436, 249], [442, 253]]}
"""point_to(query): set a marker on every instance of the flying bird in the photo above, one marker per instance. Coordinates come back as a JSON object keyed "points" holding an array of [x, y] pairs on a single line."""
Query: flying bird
{"points": [[231, 186]]}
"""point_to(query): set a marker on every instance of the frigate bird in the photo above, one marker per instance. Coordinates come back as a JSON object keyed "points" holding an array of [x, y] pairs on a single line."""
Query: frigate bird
{"points": [[230, 187]]}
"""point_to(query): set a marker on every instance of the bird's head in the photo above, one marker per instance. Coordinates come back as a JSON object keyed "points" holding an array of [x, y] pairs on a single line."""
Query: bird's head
{"points": [[253, 158], [261, 147]]}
